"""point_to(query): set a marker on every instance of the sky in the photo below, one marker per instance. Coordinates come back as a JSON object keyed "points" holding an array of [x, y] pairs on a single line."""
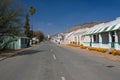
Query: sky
{"points": [[55, 16]]}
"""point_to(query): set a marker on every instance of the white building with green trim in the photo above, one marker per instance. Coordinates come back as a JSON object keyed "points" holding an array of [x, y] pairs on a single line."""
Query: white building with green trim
{"points": [[69, 37], [79, 38], [14, 42], [105, 35]]}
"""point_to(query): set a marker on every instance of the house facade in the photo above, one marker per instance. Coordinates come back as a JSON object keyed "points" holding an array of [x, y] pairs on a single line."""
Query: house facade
{"points": [[79, 38], [14, 42], [69, 37], [105, 35]]}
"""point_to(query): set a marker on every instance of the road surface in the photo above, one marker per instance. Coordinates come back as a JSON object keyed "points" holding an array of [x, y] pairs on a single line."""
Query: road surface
{"points": [[49, 61]]}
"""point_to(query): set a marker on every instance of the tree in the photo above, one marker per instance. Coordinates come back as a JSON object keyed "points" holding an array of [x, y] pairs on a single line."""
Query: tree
{"points": [[10, 19], [28, 32], [27, 27], [32, 10], [39, 35], [10, 16]]}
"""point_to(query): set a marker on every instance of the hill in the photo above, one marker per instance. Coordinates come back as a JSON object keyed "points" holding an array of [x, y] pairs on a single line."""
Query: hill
{"points": [[80, 26]]}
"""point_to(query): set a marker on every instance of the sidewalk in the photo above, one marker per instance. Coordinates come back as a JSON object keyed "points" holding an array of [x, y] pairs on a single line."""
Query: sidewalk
{"points": [[8, 54], [5, 55], [96, 53]]}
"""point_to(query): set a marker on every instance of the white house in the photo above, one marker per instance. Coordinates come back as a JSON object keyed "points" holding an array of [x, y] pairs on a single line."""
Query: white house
{"points": [[79, 38], [106, 35], [69, 37]]}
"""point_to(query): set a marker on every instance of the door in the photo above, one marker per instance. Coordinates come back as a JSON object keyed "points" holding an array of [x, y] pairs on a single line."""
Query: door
{"points": [[113, 39]]}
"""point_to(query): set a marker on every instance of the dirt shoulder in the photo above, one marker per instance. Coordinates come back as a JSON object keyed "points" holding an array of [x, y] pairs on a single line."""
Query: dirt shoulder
{"points": [[96, 53], [9, 53]]}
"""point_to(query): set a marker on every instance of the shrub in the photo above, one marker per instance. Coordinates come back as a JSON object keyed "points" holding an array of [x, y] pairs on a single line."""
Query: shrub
{"points": [[83, 47], [97, 49], [114, 52]]}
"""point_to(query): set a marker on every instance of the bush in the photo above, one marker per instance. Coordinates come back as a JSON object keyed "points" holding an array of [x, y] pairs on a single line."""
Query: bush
{"points": [[83, 47], [114, 52], [89, 48], [98, 49]]}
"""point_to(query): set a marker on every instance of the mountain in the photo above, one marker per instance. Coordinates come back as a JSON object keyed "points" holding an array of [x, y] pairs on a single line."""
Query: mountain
{"points": [[80, 26]]}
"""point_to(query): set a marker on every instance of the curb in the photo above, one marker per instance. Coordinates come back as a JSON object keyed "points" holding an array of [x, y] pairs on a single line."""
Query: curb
{"points": [[15, 53], [2, 58]]}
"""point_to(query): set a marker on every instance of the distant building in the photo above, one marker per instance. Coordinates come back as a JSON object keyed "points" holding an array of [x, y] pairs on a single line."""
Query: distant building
{"points": [[48, 37], [69, 37], [34, 40]]}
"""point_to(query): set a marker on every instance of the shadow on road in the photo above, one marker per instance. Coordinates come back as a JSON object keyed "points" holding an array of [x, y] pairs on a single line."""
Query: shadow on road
{"points": [[29, 52]]}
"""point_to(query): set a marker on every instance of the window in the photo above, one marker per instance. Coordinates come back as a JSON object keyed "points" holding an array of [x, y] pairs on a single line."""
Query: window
{"points": [[75, 39], [24, 40], [82, 38], [105, 38], [96, 38]]}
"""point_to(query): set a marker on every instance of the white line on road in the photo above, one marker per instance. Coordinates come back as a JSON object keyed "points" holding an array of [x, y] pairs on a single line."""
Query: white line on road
{"points": [[54, 57], [63, 78]]}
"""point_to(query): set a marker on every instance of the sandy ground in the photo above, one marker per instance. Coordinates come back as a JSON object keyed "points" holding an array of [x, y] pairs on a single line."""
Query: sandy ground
{"points": [[100, 54]]}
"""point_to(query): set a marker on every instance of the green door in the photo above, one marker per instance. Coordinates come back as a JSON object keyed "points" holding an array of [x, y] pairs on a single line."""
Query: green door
{"points": [[112, 44], [90, 43], [113, 39]]}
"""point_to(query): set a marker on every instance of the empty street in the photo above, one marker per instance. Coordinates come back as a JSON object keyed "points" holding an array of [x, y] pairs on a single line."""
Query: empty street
{"points": [[49, 61]]}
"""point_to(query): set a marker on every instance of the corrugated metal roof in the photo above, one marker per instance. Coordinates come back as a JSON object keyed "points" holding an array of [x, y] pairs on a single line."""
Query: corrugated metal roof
{"points": [[116, 27], [104, 29]]}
